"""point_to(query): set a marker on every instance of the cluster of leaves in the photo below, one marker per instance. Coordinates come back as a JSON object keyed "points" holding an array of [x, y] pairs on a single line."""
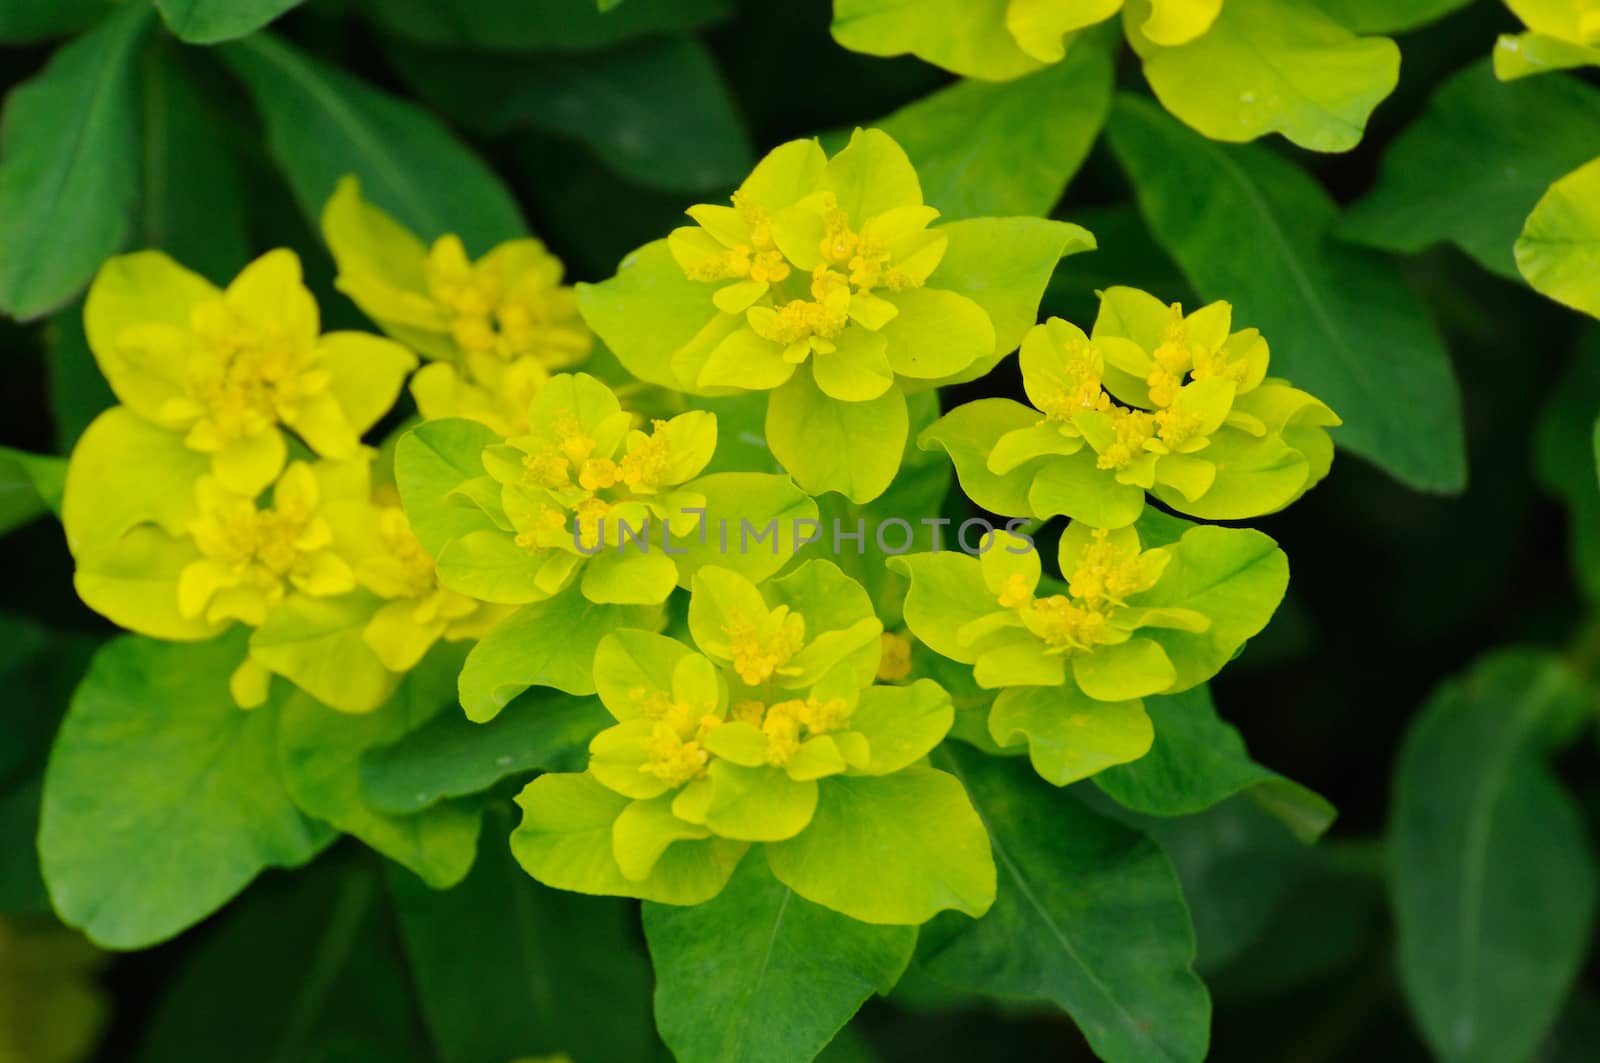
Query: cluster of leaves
{"points": [[831, 767]]}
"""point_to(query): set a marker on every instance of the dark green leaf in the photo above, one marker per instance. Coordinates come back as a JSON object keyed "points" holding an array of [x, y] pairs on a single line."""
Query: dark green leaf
{"points": [[1003, 148], [507, 968], [30, 20], [192, 205], [656, 112], [1250, 227], [519, 26], [450, 756], [1493, 874], [1470, 170], [163, 799], [304, 969], [1566, 444], [759, 973], [68, 143], [323, 124], [1388, 16], [30, 486], [1198, 760], [78, 392], [1089, 916]]}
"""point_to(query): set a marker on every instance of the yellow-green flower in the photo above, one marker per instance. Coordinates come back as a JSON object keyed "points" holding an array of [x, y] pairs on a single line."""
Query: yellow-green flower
{"points": [[1074, 659], [825, 283], [1233, 70], [496, 327], [1561, 34], [1155, 400], [773, 733], [232, 369]]}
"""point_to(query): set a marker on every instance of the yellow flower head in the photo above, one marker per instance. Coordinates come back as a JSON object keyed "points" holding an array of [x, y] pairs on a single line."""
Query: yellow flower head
{"points": [[233, 369], [497, 326]]}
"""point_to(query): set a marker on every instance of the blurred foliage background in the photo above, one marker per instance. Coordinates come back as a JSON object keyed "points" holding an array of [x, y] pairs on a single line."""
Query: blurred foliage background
{"points": [[603, 136]]}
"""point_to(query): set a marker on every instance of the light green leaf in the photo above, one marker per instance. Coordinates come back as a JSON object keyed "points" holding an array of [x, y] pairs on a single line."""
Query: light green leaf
{"points": [[760, 973], [968, 37], [450, 756], [1199, 760], [1003, 265], [163, 799], [1341, 322], [740, 510], [688, 139], [214, 21], [506, 968], [649, 311], [430, 462], [1559, 249], [1089, 916], [69, 147], [891, 849], [321, 751], [319, 645], [517, 26], [1471, 168], [1481, 825], [1282, 67], [1234, 576], [547, 644], [981, 150], [1070, 736], [323, 124], [853, 448]]}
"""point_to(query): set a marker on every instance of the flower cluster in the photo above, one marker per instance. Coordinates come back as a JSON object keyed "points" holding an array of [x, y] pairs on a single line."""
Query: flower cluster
{"points": [[555, 519], [774, 733], [186, 514], [1155, 401]]}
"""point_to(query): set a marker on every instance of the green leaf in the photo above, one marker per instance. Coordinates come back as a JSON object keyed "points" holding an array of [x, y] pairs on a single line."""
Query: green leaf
{"points": [[22, 21], [1471, 168], [163, 799], [1341, 322], [304, 967], [69, 147], [78, 391], [450, 756], [321, 750], [1089, 917], [430, 462], [740, 509], [853, 448], [323, 124], [1282, 67], [30, 486], [507, 968], [518, 26], [759, 973], [1198, 761], [893, 849], [214, 21], [192, 202], [656, 112], [1559, 249], [981, 150], [1481, 827], [968, 37], [546, 644]]}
